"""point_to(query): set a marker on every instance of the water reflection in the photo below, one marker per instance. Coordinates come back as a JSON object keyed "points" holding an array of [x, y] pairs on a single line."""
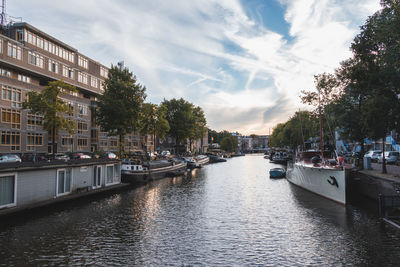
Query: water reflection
{"points": [[225, 214]]}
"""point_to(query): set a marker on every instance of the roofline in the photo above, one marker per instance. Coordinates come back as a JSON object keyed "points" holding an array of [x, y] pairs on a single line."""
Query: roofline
{"points": [[34, 29]]}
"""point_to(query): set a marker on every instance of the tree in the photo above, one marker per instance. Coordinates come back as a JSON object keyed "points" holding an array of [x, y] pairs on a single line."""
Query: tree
{"points": [[152, 121], [119, 108], [377, 47], [299, 128], [185, 119], [198, 127], [53, 109], [229, 143]]}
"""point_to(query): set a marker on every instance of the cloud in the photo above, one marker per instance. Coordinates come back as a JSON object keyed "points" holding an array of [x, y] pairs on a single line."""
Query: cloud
{"points": [[244, 75]]}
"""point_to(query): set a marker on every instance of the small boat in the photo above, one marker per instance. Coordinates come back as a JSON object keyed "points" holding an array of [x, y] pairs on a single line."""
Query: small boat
{"points": [[277, 173], [190, 161], [153, 170], [197, 161], [216, 158]]}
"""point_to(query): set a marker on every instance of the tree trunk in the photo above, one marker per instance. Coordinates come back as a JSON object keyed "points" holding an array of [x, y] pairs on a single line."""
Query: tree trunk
{"points": [[154, 140], [121, 146], [54, 145], [361, 155], [383, 156]]}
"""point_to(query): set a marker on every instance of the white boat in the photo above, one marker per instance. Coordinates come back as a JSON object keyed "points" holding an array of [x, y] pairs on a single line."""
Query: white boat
{"points": [[197, 161], [324, 178]]}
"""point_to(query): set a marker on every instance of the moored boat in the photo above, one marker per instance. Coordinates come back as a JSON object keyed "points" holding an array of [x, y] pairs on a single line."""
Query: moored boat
{"points": [[216, 158], [153, 170], [197, 161], [324, 178], [279, 158], [201, 160], [277, 173]]}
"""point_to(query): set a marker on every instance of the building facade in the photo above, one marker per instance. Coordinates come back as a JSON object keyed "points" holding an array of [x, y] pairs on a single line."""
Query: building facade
{"points": [[29, 59]]}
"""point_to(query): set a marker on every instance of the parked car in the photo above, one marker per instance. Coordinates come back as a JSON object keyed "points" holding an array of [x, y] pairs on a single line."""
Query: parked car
{"points": [[80, 156], [390, 156], [10, 158], [61, 156], [373, 154], [165, 153], [110, 155]]}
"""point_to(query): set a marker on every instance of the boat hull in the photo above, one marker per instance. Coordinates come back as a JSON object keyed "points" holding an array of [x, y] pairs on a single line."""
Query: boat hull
{"points": [[327, 182], [277, 173], [144, 176]]}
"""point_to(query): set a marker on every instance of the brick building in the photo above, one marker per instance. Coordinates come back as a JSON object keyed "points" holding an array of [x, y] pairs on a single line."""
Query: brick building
{"points": [[29, 59]]}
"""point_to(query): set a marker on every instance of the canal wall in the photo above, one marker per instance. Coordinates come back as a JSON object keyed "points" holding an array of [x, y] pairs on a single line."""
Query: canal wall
{"points": [[371, 184]]}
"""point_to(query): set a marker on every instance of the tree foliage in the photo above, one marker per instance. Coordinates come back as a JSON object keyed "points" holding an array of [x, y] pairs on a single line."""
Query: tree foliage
{"points": [[299, 128], [186, 120], [367, 105], [229, 143], [153, 121], [119, 107], [54, 110]]}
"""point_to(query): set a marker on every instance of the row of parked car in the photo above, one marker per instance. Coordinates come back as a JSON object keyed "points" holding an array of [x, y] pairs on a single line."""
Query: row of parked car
{"points": [[8, 158], [391, 157]]}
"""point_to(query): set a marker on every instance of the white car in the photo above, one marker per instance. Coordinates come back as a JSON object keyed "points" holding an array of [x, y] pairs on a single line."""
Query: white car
{"points": [[10, 158], [373, 154], [390, 157], [165, 153]]}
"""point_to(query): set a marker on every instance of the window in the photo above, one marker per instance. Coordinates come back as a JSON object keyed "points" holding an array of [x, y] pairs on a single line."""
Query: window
{"points": [[82, 77], [35, 59], [11, 139], [104, 72], [82, 142], [4, 72], [94, 82], [12, 117], [67, 140], [19, 35], [113, 144], [83, 62], [112, 174], [24, 78], [14, 51], [68, 72], [53, 66], [34, 121], [33, 140], [1, 46], [64, 181], [82, 110], [82, 126], [103, 144], [11, 94], [101, 85], [70, 107], [8, 190]]}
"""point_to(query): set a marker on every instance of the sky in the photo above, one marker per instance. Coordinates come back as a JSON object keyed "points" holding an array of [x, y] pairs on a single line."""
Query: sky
{"points": [[244, 62]]}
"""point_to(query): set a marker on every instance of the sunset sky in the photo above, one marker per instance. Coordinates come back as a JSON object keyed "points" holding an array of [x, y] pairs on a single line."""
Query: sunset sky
{"points": [[244, 62]]}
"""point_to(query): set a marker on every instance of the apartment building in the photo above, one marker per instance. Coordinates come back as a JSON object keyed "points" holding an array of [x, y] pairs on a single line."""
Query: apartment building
{"points": [[29, 59]]}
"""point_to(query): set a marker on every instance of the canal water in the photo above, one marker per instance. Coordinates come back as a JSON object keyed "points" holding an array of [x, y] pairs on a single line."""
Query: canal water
{"points": [[225, 214]]}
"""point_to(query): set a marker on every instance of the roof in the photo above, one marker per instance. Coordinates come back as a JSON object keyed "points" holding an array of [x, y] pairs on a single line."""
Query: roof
{"points": [[47, 36]]}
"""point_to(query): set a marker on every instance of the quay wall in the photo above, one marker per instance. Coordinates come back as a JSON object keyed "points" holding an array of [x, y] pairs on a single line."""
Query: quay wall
{"points": [[371, 184]]}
